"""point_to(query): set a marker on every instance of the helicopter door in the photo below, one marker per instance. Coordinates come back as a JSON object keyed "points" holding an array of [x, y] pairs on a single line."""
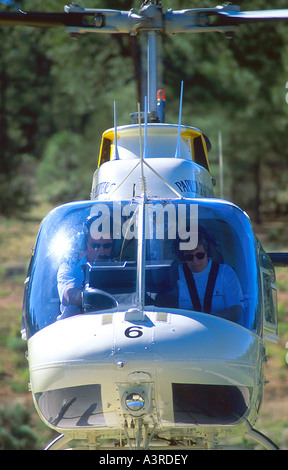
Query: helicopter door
{"points": [[269, 298]]}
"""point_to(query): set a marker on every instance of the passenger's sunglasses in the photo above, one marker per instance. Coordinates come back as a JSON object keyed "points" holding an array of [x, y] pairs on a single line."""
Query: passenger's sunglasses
{"points": [[190, 257], [96, 246]]}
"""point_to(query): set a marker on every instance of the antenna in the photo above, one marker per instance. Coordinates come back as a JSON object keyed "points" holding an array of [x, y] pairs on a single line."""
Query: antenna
{"points": [[145, 153], [220, 164], [141, 252], [115, 131], [145, 129], [140, 132], [178, 153]]}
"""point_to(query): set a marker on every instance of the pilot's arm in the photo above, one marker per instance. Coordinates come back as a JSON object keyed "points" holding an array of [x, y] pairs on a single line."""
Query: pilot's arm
{"points": [[232, 313], [232, 295], [70, 280]]}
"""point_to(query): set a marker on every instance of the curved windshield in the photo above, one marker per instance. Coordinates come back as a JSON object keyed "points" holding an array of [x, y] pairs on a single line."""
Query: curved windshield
{"points": [[89, 258], [196, 239], [82, 263]]}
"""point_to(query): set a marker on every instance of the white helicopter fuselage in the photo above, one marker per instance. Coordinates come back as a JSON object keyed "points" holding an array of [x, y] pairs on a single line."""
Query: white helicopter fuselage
{"points": [[103, 359], [173, 374]]}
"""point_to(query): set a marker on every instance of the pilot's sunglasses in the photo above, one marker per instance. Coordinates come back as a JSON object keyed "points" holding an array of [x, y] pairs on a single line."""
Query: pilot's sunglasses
{"points": [[96, 246], [199, 256]]}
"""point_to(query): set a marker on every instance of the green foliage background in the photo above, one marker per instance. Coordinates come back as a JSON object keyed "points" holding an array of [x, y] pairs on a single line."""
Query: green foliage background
{"points": [[56, 99]]}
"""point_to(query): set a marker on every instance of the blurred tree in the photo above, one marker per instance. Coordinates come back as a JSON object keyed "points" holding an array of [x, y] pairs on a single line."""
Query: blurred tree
{"points": [[24, 83], [62, 172]]}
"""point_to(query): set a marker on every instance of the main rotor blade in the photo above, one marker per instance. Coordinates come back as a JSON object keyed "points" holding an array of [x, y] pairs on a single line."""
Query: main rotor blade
{"points": [[235, 18], [116, 21], [86, 20]]}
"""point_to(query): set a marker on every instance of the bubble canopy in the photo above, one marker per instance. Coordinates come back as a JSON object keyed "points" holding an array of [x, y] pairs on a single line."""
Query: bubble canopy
{"points": [[95, 248]]}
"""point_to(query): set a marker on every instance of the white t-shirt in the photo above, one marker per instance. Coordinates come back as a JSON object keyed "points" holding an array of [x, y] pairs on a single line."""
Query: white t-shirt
{"points": [[227, 291]]}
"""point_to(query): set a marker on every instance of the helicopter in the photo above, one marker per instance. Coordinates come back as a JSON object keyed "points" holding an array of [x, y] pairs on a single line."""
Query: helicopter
{"points": [[129, 367]]}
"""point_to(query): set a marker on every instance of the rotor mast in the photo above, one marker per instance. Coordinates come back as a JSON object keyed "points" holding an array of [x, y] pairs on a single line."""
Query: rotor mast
{"points": [[152, 21], [152, 73]]}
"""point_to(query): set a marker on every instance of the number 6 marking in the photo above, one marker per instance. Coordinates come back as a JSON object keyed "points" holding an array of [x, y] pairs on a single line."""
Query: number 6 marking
{"points": [[134, 332]]}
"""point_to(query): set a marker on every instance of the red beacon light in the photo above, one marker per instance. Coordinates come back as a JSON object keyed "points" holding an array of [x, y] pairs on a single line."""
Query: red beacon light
{"points": [[161, 103]]}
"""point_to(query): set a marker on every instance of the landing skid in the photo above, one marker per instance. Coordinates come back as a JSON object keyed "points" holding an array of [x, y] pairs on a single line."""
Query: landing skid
{"points": [[58, 443], [262, 439]]}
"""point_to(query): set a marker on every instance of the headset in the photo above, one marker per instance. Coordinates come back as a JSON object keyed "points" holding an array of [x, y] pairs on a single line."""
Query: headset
{"points": [[83, 235]]}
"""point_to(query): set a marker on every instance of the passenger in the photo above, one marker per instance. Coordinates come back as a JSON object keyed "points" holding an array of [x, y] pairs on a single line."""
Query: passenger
{"points": [[70, 277], [207, 286]]}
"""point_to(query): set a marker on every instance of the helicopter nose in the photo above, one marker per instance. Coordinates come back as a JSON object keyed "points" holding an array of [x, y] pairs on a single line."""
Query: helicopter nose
{"points": [[201, 368]]}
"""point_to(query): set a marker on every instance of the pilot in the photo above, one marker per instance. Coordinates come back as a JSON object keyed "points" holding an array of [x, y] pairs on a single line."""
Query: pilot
{"points": [[207, 286], [70, 277]]}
